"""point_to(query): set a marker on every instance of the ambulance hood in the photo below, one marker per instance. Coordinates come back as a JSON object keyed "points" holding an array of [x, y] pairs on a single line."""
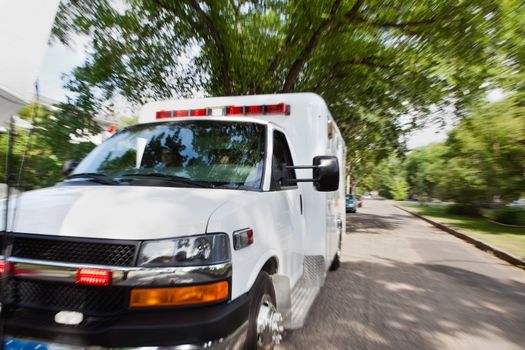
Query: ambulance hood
{"points": [[118, 212]]}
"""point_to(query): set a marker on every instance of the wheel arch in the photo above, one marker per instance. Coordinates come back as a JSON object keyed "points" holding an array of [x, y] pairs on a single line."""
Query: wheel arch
{"points": [[268, 262], [281, 282], [271, 266]]}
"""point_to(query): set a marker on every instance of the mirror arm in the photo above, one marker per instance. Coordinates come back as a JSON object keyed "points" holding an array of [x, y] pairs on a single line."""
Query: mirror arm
{"points": [[303, 167], [289, 167], [303, 180]]}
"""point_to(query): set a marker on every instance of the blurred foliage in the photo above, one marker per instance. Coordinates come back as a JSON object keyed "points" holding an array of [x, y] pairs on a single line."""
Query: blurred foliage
{"points": [[486, 155], [44, 149], [508, 216], [388, 178], [511, 75], [127, 121], [483, 158], [463, 209], [372, 60], [426, 168]]}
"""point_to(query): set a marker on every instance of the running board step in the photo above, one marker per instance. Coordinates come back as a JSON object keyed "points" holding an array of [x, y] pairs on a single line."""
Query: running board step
{"points": [[302, 300], [305, 291]]}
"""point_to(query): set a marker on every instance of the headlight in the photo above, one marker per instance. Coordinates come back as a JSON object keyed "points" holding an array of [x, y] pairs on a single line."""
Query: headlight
{"points": [[186, 251]]}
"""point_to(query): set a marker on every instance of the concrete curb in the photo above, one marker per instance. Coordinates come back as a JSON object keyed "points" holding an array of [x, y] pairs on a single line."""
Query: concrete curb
{"points": [[506, 225], [512, 259]]}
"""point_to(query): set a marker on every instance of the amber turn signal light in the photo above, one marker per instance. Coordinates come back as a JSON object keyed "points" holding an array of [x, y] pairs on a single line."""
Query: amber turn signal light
{"points": [[202, 294]]}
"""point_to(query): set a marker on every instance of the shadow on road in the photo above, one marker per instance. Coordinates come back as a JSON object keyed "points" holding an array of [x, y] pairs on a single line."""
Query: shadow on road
{"points": [[371, 223], [371, 305]]}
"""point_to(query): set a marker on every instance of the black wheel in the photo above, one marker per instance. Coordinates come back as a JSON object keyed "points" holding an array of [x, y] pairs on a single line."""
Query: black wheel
{"points": [[336, 263], [265, 322]]}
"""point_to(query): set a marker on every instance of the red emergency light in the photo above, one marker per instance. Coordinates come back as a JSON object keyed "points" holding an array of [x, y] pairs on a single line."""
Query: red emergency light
{"points": [[274, 109], [234, 110], [93, 277], [5, 267], [181, 113], [250, 110], [202, 112], [163, 114], [280, 108]]}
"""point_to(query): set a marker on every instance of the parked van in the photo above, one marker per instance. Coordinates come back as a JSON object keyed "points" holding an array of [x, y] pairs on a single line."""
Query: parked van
{"points": [[212, 223]]}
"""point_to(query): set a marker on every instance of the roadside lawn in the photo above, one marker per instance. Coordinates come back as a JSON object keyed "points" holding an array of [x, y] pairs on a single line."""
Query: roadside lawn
{"points": [[509, 239]]}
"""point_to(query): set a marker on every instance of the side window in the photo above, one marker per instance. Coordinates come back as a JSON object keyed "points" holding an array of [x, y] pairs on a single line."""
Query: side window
{"points": [[281, 157]]}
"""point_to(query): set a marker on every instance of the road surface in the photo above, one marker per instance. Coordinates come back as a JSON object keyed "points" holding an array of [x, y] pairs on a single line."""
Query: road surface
{"points": [[404, 284]]}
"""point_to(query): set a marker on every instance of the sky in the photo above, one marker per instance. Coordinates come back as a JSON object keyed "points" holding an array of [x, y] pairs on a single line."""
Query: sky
{"points": [[59, 60], [436, 132], [432, 132]]}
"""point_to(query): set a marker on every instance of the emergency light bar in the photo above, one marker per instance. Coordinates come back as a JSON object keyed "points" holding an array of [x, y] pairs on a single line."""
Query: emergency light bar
{"points": [[275, 109]]}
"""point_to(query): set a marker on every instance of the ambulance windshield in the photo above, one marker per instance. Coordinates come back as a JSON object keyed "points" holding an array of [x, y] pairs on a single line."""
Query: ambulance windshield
{"points": [[215, 153]]}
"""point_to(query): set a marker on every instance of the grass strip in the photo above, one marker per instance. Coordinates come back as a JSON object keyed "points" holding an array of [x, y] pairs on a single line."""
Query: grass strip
{"points": [[509, 239]]}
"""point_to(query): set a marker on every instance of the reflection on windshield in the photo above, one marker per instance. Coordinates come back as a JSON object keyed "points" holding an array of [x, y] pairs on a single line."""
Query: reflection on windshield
{"points": [[222, 153]]}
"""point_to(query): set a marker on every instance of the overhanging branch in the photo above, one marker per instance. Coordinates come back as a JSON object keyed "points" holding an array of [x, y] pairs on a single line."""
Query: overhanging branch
{"points": [[398, 25], [325, 26], [221, 50], [211, 32], [371, 61]]}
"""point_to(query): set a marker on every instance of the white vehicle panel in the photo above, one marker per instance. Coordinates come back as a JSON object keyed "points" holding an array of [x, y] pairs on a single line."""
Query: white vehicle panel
{"points": [[260, 212], [118, 212]]}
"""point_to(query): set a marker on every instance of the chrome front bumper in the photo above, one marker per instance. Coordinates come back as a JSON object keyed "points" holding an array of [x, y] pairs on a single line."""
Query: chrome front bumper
{"points": [[121, 276], [19, 327]]}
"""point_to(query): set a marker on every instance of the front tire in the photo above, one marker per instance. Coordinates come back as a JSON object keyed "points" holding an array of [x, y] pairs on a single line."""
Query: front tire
{"points": [[265, 322]]}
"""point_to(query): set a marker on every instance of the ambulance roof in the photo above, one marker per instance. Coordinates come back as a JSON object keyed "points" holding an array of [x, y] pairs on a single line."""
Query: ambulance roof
{"points": [[297, 103], [303, 116]]}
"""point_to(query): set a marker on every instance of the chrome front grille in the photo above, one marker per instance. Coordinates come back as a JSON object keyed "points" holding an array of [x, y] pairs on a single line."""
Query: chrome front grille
{"points": [[74, 250], [52, 296]]}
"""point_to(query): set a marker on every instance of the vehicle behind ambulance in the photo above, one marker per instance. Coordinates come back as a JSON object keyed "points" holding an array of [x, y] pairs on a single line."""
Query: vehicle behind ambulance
{"points": [[210, 224]]}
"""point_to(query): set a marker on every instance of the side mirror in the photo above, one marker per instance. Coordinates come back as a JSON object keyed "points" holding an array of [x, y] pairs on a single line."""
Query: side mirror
{"points": [[69, 166], [326, 173]]}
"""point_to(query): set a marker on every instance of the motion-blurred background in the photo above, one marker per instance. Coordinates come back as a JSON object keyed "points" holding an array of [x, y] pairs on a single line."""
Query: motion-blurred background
{"points": [[430, 94]]}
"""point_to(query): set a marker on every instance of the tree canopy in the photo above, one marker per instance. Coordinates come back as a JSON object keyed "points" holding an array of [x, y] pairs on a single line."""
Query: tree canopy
{"points": [[482, 159], [372, 60], [43, 150]]}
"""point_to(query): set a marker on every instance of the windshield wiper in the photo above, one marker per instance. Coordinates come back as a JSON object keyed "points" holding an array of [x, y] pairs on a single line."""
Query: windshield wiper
{"points": [[96, 177], [173, 178], [234, 187]]}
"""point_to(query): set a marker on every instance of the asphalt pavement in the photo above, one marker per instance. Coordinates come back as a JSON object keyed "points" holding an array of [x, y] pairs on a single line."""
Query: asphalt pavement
{"points": [[404, 284]]}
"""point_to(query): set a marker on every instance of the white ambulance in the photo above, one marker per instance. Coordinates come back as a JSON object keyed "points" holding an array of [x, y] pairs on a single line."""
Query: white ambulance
{"points": [[210, 224]]}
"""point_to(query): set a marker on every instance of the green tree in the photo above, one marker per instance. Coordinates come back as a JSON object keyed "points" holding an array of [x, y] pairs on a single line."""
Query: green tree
{"points": [[482, 159], [369, 141], [388, 178], [426, 169], [271, 46], [510, 74], [44, 150], [397, 187], [486, 156], [365, 57]]}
